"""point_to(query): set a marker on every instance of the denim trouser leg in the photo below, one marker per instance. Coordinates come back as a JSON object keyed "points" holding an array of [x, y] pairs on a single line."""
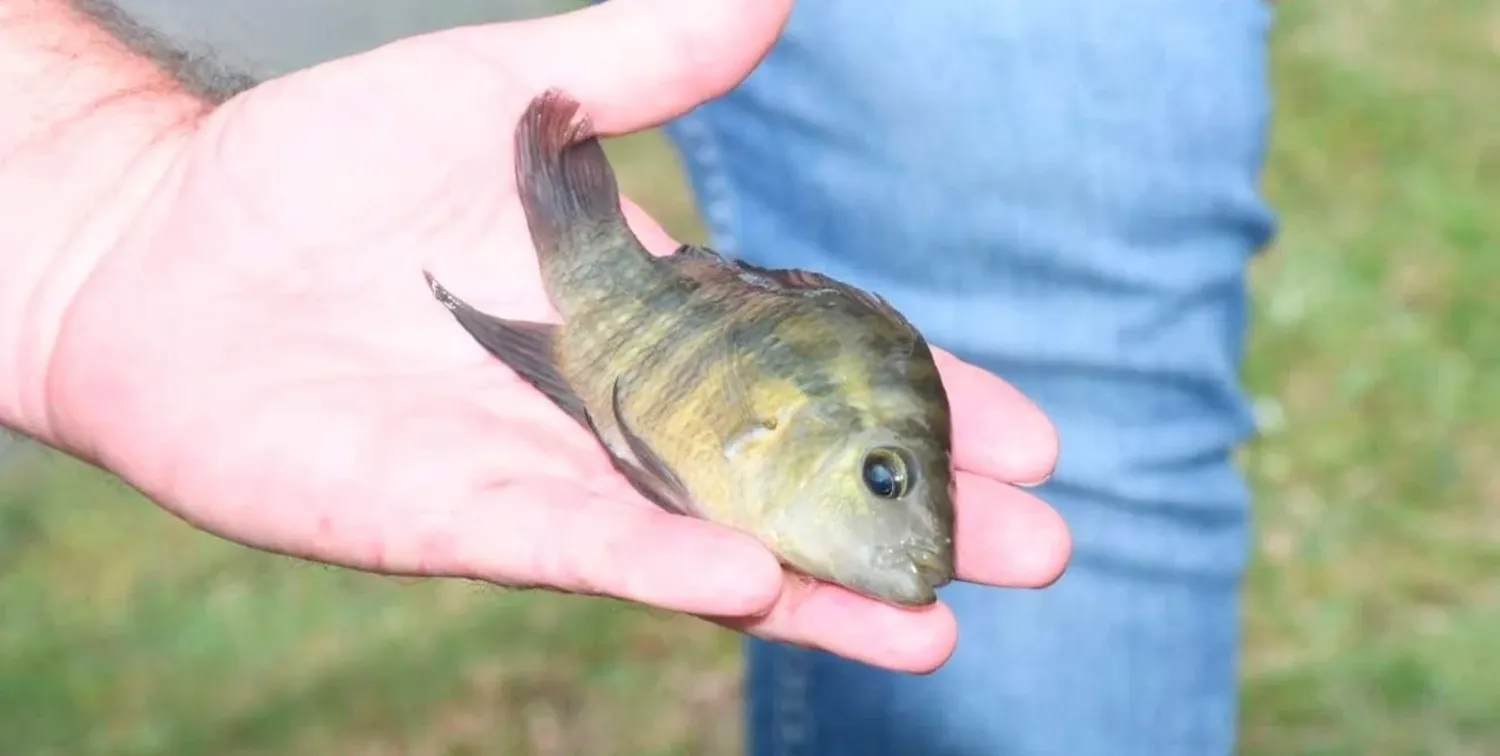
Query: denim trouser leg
{"points": [[1065, 192]]}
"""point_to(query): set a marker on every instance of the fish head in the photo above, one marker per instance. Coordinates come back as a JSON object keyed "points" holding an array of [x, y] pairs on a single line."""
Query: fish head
{"points": [[846, 469], [870, 506]]}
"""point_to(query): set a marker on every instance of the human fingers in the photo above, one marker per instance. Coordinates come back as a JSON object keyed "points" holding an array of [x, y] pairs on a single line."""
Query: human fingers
{"points": [[437, 108], [829, 618], [1007, 537], [997, 431], [554, 535], [634, 64]]}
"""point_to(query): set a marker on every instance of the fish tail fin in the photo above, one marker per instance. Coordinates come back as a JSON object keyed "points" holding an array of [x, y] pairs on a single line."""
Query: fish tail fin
{"points": [[565, 180]]}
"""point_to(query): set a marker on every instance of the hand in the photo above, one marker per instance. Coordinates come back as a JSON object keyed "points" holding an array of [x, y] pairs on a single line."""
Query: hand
{"points": [[260, 354]]}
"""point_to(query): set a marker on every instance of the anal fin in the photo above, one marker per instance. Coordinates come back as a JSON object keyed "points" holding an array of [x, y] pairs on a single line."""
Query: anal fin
{"points": [[526, 348], [523, 346]]}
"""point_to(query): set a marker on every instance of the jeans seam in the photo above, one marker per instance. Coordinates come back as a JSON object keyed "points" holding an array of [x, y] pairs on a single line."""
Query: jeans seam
{"points": [[790, 720], [715, 204]]}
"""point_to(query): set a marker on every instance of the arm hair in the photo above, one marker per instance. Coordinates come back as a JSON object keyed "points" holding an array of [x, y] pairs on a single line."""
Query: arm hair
{"points": [[198, 73]]}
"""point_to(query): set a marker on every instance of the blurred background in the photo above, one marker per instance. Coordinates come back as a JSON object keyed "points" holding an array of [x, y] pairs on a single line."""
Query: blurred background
{"points": [[1373, 613]]}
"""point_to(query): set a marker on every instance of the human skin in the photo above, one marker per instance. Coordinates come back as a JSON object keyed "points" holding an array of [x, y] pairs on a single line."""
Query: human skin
{"points": [[223, 305]]}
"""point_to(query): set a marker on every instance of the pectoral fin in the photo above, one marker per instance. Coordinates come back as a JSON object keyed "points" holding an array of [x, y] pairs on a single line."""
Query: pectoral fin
{"points": [[749, 422], [523, 346]]}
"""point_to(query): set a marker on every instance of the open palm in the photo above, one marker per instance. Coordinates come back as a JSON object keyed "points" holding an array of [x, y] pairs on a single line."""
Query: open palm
{"points": [[285, 378]]}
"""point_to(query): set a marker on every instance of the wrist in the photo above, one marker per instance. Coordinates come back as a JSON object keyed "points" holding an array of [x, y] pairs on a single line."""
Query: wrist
{"points": [[89, 132]]}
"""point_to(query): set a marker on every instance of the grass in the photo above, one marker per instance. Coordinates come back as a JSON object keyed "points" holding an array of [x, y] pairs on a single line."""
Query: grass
{"points": [[1373, 612], [1374, 606]]}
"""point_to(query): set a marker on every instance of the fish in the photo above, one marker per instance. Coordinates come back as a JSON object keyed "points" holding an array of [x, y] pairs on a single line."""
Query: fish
{"points": [[804, 411]]}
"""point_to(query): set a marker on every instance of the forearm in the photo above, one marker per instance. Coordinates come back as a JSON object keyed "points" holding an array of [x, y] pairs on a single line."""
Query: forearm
{"points": [[85, 120]]}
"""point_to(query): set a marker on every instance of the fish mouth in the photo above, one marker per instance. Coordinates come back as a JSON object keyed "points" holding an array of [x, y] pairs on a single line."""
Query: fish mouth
{"points": [[930, 564], [934, 567]]}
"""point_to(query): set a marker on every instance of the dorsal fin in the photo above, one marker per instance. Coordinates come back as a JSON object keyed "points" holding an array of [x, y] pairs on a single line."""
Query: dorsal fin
{"points": [[794, 280]]}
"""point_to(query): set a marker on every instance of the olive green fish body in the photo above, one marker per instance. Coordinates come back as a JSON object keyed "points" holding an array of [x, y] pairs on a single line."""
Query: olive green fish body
{"points": [[780, 402]]}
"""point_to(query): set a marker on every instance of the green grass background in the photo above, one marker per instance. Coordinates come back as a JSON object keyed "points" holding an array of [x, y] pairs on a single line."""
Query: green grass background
{"points": [[1374, 604]]}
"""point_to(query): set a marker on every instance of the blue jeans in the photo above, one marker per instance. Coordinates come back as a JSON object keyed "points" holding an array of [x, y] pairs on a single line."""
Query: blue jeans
{"points": [[1066, 193]]}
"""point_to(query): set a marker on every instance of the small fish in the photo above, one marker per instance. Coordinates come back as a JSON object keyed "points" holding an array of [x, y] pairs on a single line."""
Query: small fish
{"points": [[791, 406]]}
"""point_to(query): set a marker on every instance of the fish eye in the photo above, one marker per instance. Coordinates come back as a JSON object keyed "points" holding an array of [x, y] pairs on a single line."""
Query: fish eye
{"points": [[886, 473]]}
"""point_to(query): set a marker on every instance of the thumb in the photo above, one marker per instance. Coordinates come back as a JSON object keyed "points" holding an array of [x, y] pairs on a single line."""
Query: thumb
{"points": [[634, 64], [427, 108]]}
